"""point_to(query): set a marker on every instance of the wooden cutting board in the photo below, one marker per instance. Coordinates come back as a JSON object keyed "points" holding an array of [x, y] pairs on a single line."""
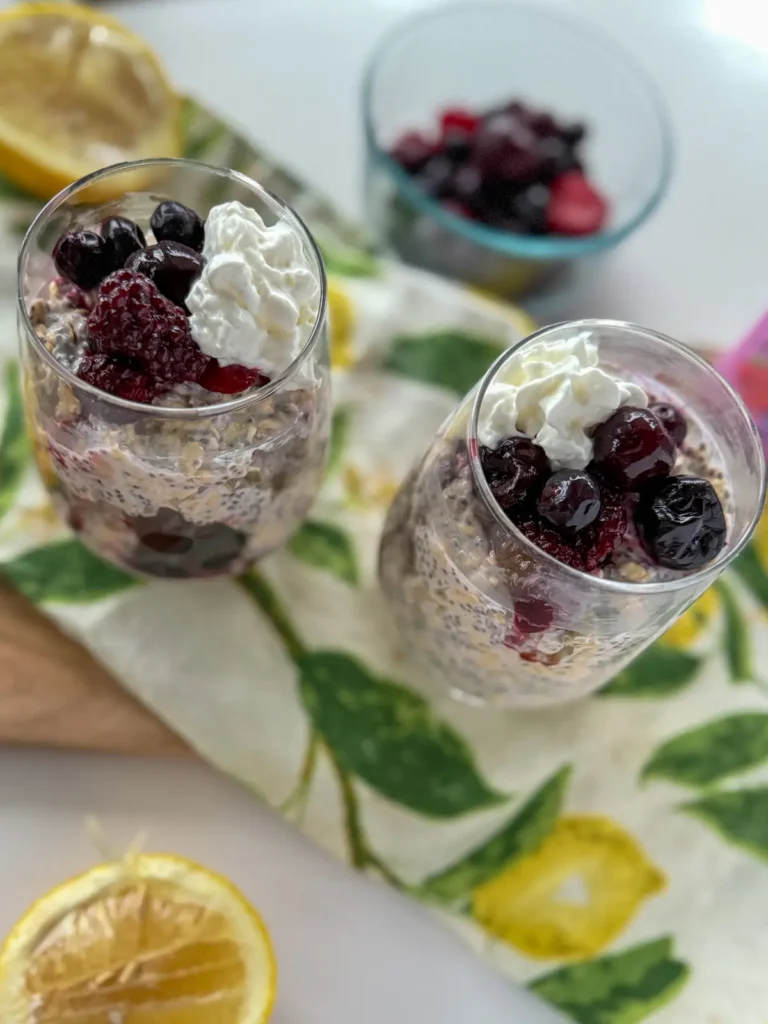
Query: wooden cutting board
{"points": [[53, 693]]}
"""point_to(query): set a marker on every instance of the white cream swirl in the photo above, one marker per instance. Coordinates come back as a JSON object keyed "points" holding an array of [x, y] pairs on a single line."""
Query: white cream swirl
{"points": [[257, 299], [554, 392]]}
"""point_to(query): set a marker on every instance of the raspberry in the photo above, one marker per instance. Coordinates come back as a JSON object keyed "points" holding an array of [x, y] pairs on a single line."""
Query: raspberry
{"points": [[591, 547], [117, 377], [132, 319], [230, 380]]}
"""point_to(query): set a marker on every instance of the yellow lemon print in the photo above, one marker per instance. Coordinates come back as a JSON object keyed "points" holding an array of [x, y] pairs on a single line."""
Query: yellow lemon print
{"points": [[691, 625], [342, 324], [574, 895], [760, 541], [369, 490]]}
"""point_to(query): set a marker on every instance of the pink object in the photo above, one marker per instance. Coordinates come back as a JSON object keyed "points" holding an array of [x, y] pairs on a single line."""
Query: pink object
{"points": [[746, 368]]}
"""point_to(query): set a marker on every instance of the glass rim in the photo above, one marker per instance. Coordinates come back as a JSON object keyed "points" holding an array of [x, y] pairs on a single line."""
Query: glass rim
{"points": [[682, 582], [506, 243], [167, 412]]}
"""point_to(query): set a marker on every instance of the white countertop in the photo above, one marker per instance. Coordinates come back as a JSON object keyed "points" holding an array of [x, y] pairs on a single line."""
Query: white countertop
{"points": [[287, 73]]}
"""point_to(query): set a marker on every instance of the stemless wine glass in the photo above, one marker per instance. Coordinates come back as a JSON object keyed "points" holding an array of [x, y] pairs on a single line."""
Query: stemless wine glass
{"points": [[496, 619], [182, 489]]}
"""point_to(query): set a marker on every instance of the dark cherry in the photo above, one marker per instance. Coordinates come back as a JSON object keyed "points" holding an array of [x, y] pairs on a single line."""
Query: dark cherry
{"points": [[412, 151], [632, 448], [681, 522], [506, 149], [172, 266], [175, 222], [532, 616], [81, 257], [513, 468], [672, 420], [170, 545], [570, 500], [121, 238]]}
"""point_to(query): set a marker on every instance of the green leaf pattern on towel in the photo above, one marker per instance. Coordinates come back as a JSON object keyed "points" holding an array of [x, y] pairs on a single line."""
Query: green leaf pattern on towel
{"points": [[449, 359], [622, 988]]}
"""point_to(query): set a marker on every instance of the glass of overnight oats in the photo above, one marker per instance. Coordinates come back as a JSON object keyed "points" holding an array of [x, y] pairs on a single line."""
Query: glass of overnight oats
{"points": [[175, 363], [597, 480]]}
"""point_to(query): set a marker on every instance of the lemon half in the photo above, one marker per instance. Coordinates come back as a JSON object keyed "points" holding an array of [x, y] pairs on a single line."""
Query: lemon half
{"points": [[78, 91], [149, 940]]}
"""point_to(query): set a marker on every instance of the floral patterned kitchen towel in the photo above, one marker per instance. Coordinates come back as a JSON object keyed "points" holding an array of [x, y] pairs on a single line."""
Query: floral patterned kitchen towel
{"points": [[612, 854]]}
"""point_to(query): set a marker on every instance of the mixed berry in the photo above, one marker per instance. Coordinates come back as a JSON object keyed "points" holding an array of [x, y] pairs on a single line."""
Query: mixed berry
{"points": [[512, 168], [582, 517], [139, 344]]}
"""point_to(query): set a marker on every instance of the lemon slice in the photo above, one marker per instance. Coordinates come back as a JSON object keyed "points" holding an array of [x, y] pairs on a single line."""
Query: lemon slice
{"points": [[78, 91], [148, 940]]}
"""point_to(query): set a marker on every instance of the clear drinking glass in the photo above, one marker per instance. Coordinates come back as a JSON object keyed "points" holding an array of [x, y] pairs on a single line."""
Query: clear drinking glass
{"points": [[455, 570], [160, 490]]}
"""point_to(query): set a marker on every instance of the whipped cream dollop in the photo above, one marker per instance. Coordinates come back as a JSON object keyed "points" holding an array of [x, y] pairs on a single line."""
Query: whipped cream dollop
{"points": [[554, 392], [257, 298]]}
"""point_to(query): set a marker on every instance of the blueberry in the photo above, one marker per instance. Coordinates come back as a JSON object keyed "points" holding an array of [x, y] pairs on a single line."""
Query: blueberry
{"points": [[174, 222], [557, 157], [436, 177], [529, 209], [513, 468], [570, 500], [172, 266], [681, 522], [81, 256], [672, 420], [121, 238]]}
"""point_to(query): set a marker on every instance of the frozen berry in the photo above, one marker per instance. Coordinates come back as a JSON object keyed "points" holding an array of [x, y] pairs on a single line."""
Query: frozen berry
{"points": [[532, 616], [681, 522], [230, 380], [412, 151], [575, 206], [529, 209], [117, 377], [457, 119], [75, 297], [81, 257], [133, 320], [570, 500], [672, 420], [172, 266], [587, 549], [632, 447], [121, 237], [436, 177], [178, 223], [506, 149], [513, 468]]}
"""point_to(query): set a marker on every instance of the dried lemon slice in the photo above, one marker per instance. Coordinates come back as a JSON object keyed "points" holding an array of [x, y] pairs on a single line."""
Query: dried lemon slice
{"points": [[148, 940], [78, 91]]}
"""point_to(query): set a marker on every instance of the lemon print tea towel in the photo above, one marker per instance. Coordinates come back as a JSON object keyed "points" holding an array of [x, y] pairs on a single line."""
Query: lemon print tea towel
{"points": [[611, 855]]}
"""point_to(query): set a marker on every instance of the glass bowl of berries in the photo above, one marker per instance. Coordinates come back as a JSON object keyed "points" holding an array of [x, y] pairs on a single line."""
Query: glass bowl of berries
{"points": [[505, 142], [175, 360]]}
